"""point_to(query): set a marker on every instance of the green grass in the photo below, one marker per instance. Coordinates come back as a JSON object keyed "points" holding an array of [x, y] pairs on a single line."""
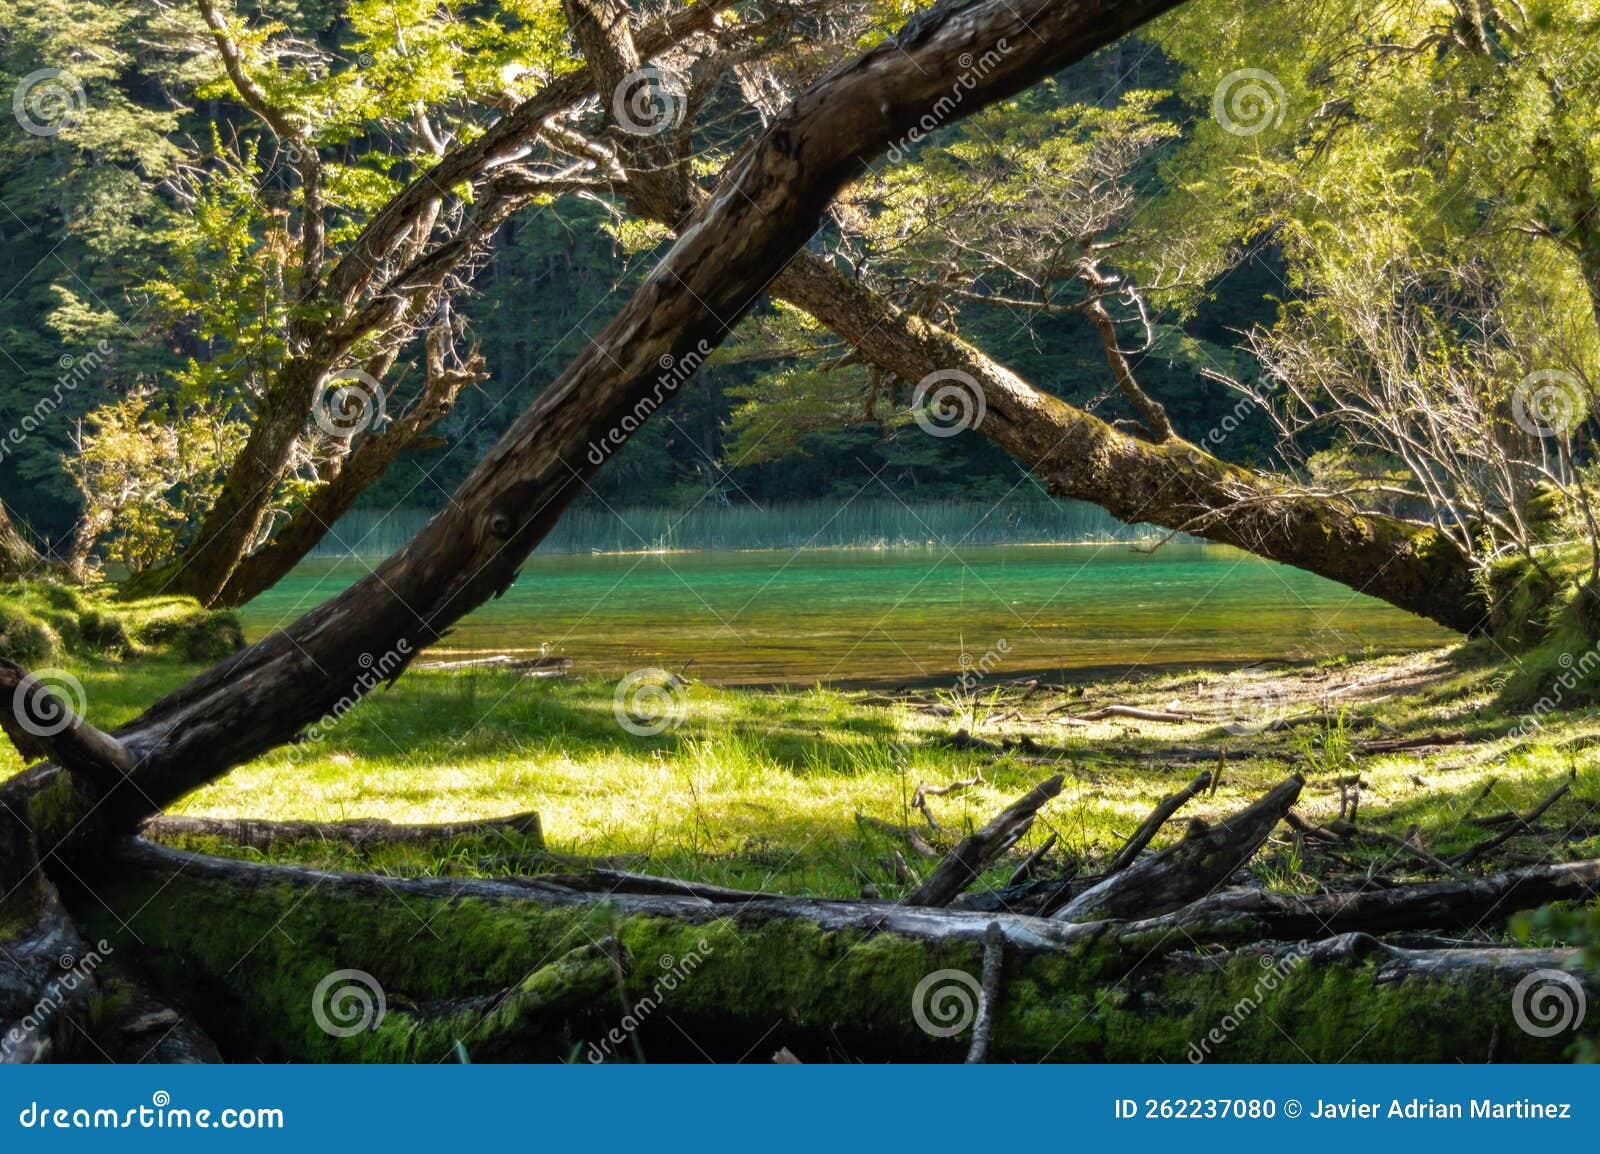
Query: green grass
{"points": [[760, 789]]}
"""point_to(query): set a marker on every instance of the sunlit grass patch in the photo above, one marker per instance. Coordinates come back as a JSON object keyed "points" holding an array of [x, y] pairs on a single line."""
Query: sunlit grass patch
{"points": [[762, 789]]}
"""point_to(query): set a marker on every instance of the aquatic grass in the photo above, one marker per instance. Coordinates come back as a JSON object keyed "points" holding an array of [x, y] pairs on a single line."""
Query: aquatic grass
{"points": [[862, 524]]}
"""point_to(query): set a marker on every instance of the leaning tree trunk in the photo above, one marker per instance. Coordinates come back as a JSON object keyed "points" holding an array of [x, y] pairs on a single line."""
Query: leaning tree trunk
{"points": [[529, 969], [18, 557], [233, 521], [726, 255], [1171, 483], [1162, 480]]}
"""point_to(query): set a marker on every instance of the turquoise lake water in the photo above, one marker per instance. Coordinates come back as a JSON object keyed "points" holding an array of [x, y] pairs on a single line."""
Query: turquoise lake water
{"points": [[857, 616]]}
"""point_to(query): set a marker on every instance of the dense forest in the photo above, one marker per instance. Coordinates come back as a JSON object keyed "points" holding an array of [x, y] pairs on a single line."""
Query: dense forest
{"points": [[135, 313]]}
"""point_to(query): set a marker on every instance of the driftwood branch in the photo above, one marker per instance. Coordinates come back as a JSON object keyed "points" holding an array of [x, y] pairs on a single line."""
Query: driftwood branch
{"points": [[994, 956], [963, 865], [1515, 827], [1159, 817], [1205, 858]]}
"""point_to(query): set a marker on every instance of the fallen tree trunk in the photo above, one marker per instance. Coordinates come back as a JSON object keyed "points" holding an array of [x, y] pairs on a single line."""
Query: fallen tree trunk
{"points": [[258, 834], [1238, 916], [252, 944]]}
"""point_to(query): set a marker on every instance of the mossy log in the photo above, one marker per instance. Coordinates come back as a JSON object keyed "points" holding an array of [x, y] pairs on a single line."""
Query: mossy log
{"points": [[360, 832], [248, 945]]}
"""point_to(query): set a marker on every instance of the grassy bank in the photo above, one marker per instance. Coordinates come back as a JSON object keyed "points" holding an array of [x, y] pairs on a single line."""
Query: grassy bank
{"points": [[43, 622], [762, 790]]}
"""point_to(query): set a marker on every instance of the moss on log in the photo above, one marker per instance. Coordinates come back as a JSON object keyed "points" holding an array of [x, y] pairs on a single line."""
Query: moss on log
{"points": [[246, 947]]}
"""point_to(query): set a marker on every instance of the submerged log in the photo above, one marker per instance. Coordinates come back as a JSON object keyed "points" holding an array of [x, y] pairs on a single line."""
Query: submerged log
{"points": [[853, 979]]}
